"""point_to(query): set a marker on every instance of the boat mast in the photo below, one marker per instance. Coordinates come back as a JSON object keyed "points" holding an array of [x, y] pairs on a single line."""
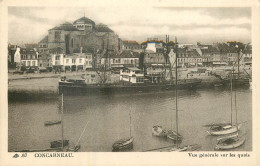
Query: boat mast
{"points": [[231, 92], [62, 121], [236, 111], [130, 123], [176, 87]]}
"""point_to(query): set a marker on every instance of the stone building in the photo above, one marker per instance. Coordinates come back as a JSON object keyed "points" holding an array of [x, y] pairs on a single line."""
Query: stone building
{"points": [[83, 33]]}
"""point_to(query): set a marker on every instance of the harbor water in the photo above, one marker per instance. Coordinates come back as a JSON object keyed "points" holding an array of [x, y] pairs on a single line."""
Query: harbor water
{"points": [[108, 117]]}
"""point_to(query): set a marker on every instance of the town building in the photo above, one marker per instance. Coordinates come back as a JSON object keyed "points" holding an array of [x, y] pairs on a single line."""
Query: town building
{"points": [[116, 60], [74, 62], [82, 33], [29, 58], [44, 60], [131, 45]]}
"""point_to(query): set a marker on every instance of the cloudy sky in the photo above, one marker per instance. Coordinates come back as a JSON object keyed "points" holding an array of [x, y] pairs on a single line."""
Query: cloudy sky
{"points": [[206, 25]]}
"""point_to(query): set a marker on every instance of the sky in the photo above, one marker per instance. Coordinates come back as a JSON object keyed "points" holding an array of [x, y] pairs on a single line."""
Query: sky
{"points": [[190, 25]]}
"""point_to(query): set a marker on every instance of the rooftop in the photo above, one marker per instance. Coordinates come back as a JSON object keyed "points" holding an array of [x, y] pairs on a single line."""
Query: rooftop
{"points": [[84, 20]]}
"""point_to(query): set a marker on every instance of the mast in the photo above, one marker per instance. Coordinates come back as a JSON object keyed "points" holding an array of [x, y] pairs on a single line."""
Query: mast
{"points": [[231, 92], [238, 56], [130, 123], [236, 110], [176, 87], [62, 121]]}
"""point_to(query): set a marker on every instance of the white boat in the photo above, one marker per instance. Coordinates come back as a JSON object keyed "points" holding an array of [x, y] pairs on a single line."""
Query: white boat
{"points": [[174, 135], [230, 143], [159, 131], [223, 130], [234, 141]]}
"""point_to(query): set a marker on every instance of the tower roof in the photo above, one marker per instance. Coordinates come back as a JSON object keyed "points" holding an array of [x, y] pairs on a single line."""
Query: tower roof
{"points": [[85, 20]]}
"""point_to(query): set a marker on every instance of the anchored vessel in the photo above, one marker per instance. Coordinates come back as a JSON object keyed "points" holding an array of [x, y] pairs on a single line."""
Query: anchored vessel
{"points": [[79, 86]]}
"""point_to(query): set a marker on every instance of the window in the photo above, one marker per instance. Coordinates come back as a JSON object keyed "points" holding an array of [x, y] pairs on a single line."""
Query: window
{"points": [[67, 61], [57, 58], [73, 61], [33, 63], [139, 79], [80, 60], [57, 36], [29, 63]]}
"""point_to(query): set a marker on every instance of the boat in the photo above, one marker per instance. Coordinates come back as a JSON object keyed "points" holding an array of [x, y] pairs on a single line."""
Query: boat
{"points": [[58, 143], [49, 123], [62, 145], [159, 131], [225, 128], [125, 144], [174, 135], [234, 141], [230, 143], [79, 86]]}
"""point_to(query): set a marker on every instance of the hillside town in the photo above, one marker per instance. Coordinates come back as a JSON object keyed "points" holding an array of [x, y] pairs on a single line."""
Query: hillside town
{"points": [[85, 46]]}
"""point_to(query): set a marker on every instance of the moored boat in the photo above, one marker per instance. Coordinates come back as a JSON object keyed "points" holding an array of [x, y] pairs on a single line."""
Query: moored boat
{"points": [[123, 144], [49, 123], [230, 143], [58, 143], [159, 131], [172, 135], [224, 129], [78, 86]]}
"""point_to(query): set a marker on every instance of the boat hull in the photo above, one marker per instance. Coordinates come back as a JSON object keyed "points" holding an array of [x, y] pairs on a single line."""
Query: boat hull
{"points": [[123, 145], [223, 146], [227, 131], [72, 88]]}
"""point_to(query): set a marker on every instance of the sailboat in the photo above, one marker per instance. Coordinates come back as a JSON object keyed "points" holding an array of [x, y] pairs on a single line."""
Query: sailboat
{"points": [[63, 145], [126, 143], [233, 141], [225, 128], [174, 135]]}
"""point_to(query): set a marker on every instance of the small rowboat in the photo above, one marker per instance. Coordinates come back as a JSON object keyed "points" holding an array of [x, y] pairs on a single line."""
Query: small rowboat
{"points": [[173, 135], [49, 123], [230, 143], [123, 144], [58, 143], [159, 131], [222, 130]]}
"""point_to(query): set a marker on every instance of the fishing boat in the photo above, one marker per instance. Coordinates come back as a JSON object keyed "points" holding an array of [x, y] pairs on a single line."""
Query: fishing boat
{"points": [[225, 128], [230, 143], [125, 144], [54, 122], [81, 86], [174, 135], [63, 145], [159, 131], [234, 141]]}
